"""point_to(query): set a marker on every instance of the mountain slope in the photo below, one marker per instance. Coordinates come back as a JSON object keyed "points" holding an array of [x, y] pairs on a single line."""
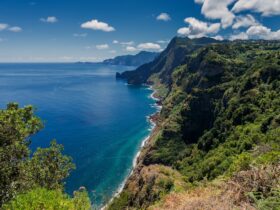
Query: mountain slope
{"points": [[220, 117], [132, 60], [175, 53]]}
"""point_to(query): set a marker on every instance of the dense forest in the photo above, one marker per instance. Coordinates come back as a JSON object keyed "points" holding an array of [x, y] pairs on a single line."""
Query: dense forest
{"points": [[217, 143]]}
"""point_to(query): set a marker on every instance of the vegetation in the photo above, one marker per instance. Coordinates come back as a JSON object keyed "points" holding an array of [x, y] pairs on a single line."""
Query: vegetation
{"points": [[164, 64], [232, 194], [32, 181], [41, 198], [221, 115], [217, 144]]}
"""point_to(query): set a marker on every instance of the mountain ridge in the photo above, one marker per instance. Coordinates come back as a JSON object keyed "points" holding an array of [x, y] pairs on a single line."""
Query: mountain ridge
{"points": [[219, 124], [172, 56]]}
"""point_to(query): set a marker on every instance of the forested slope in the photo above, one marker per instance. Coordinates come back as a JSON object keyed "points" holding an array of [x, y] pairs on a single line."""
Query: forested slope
{"points": [[220, 120]]}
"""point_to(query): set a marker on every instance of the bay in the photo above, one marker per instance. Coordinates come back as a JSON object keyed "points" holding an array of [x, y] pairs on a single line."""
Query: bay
{"points": [[100, 121]]}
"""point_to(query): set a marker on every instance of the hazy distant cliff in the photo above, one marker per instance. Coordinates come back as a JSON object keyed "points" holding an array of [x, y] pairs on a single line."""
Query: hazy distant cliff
{"points": [[132, 60]]}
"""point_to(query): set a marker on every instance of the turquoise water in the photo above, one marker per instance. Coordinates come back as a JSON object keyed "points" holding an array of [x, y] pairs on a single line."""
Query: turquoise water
{"points": [[100, 121]]}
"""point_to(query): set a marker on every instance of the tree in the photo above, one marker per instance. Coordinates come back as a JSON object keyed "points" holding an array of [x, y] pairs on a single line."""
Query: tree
{"points": [[49, 167], [16, 127], [19, 170]]}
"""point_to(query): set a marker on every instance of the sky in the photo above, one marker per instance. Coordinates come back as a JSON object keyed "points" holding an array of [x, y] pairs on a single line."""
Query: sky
{"points": [[93, 30]]}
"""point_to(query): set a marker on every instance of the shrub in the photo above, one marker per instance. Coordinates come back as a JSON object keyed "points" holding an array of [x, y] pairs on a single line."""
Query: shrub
{"points": [[41, 198]]}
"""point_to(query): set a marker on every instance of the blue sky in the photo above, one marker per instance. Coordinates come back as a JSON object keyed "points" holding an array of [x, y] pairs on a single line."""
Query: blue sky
{"points": [[92, 30]]}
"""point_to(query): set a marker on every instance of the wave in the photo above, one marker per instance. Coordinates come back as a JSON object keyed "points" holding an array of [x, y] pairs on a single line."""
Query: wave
{"points": [[143, 144]]}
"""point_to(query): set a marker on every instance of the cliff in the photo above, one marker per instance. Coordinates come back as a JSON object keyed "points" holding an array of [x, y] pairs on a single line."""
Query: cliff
{"points": [[220, 124], [175, 54]]}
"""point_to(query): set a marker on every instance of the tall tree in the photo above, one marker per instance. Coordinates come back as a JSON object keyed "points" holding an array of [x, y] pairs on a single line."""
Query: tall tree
{"points": [[19, 171]]}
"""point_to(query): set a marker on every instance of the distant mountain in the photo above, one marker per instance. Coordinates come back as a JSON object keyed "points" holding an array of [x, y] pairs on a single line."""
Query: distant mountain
{"points": [[175, 53], [132, 60]]}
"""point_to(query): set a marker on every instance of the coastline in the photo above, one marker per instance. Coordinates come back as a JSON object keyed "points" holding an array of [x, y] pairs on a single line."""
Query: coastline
{"points": [[153, 119]]}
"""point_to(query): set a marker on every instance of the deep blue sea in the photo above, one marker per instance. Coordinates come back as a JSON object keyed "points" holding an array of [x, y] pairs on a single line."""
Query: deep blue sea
{"points": [[100, 121]]}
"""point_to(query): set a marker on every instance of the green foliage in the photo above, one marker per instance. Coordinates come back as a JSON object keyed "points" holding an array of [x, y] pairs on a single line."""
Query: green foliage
{"points": [[16, 127], [221, 111], [121, 202], [22, 172], [272, 202], [223, 103], [166, 184], [271, 156], [41, 198], [163, 65], [49, 167], [240, 163]]}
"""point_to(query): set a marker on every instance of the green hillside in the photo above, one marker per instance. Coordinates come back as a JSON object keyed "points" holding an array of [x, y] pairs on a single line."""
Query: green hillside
{"points": [[220, 116]]}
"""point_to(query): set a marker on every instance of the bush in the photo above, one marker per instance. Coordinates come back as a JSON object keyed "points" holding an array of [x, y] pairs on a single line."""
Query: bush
{"points": [[257, 185], [41, 198]]}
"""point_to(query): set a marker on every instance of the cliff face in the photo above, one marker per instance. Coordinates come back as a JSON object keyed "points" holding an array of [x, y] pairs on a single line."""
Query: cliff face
{"points": [[175, 54], [220, 116]]}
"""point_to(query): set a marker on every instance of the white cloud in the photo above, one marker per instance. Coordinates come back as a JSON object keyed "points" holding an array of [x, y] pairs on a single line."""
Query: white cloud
{"points": [[50, 19], [200, 26], [3, 26], [273, 35], [163, 41], [199, 1], [149, 46], [265, 7], [197, 28], [257, 32], [113, 51], [218, 37], [102, 46], [262, 32], [244, 21], [80, 35], [97, 25], [240, 36], [218, 9], [15, 29], [131, 49], [185, 31], [127, 43], [164, 17]]}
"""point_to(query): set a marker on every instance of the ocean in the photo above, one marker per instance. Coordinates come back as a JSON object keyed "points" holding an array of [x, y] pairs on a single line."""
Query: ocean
{"points": [[100, 121]]}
